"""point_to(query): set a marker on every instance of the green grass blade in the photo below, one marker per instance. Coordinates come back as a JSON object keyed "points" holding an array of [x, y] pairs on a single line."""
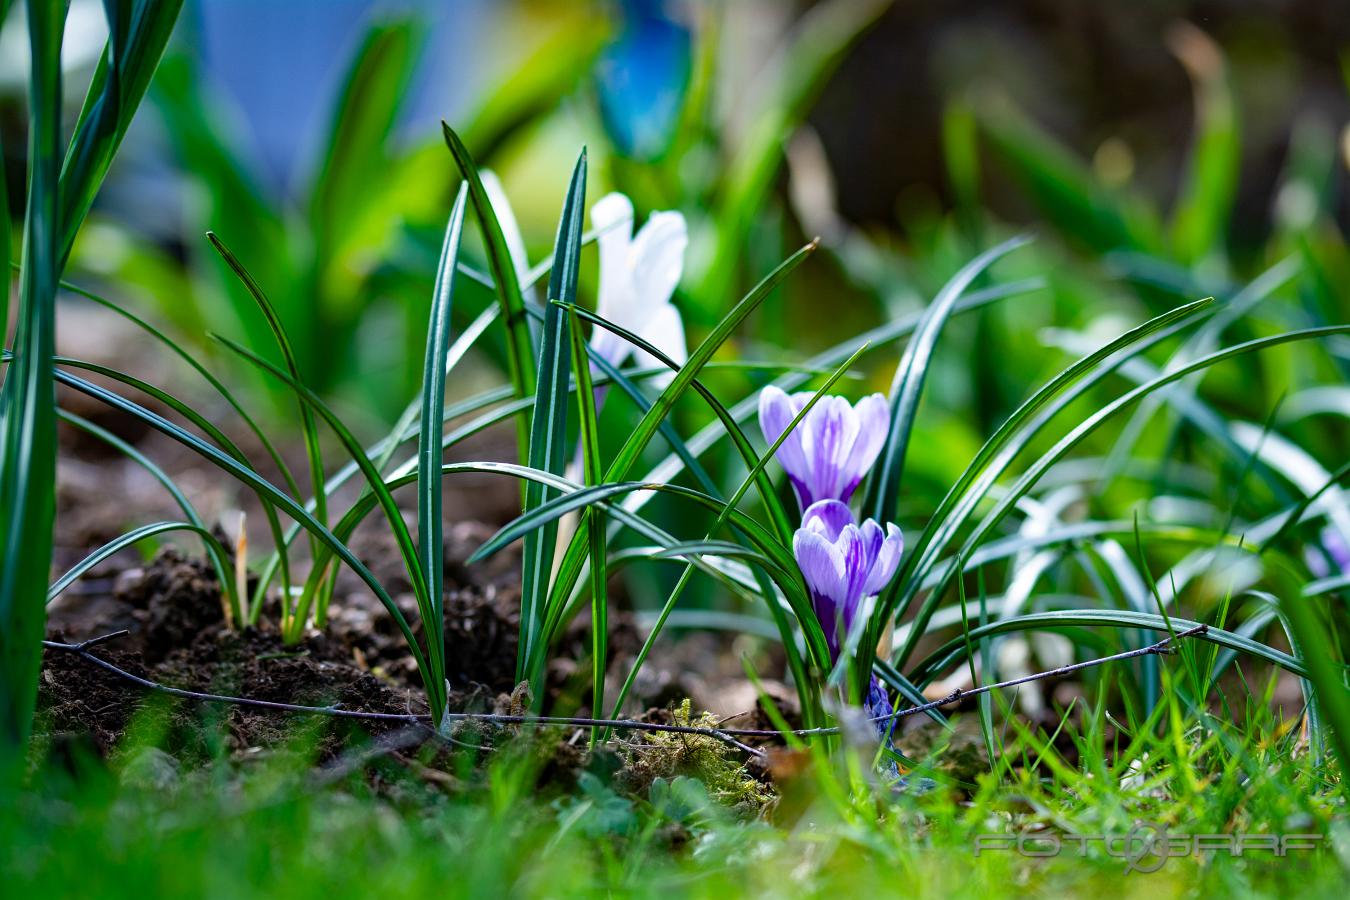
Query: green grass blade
{"points": [[207, 427], [138, 31], [1209, 186], [1312, 627], [883, 487], [220, 561], [195, 364], [520, 348], [275, 495], [593, 471], [548, 424], [431, 547], [28, 448], [313, 451], [435, 673], [953, 651], [5, 239], [399, 528], [356, 165], [1090, 424], [214, 548]]}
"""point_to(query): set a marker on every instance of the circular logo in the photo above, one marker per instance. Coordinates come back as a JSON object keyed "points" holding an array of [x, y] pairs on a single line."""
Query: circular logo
{"points": [[1146, 847]]}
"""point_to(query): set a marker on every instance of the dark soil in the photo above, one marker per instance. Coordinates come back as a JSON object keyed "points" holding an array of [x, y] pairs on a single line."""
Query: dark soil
{"points": [[171, 610]]}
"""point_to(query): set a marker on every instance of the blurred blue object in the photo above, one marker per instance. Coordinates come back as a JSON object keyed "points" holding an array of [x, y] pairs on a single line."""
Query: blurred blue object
{"points": [[642, 78], [281, 63]]}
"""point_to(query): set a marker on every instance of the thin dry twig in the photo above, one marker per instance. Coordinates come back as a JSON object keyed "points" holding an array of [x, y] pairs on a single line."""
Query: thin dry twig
{"points": [[726, 735]]}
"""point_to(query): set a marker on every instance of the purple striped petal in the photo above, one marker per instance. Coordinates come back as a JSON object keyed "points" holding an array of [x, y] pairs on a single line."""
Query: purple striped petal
{"points": [[822, 564], [832, 448], [823, 568], [886, 559], [874, 420], [828, 518], [776, 411]]}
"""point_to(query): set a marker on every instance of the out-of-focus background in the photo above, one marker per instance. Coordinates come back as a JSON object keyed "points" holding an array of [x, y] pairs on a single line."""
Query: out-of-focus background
{"points": [[1161, 150]]}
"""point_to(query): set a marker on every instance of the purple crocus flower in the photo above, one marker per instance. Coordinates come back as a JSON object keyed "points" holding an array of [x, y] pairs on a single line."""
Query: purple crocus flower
{"points": [[843, 563], [1340, 552], [832, 448], [878, 705], [1336, 550]]}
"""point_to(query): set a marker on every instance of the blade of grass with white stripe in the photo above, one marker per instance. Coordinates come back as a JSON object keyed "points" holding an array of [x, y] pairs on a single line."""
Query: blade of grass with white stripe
{"points": [[1080, 432], [431, 549], [313, 451], [138, 31], [283, 501], [207, 427], [656, 413], [579, 499], [269, 448], [998, 452], [1007, 442], [520, 348], [883, 487], [643, 404], [399, 528], [206, 375], [595, 522], [548, 427], [384, 449], [322, 575], [28, 443], [560, 602], [219, 559], [709, 435], [214, 548], [1311, 628], [434, 673], [778, 515], [953, 651], [574, 558]]}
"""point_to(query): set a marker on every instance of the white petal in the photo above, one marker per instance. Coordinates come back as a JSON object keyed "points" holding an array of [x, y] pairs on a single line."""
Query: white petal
{"points": [[665, 332], [612, 217], [658, 260], [506, 218]]}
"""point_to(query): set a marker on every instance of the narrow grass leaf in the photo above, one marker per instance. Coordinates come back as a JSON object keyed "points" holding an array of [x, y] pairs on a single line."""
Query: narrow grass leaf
{"points": [[520, 348], [313, 451], [28, 442], [431, 547], [548, 424], [883, 487]]}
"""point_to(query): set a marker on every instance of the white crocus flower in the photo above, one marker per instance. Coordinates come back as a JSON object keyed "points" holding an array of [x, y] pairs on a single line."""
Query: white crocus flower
{"points": [[638, 275]]}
